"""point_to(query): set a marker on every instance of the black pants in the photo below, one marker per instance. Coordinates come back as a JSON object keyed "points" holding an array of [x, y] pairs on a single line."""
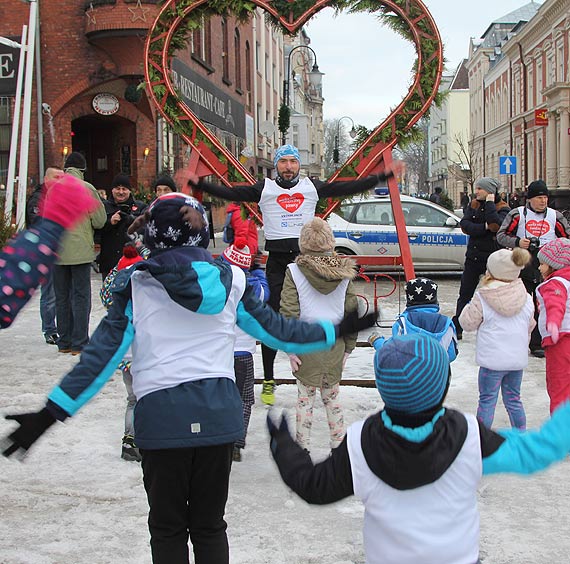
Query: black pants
{"points": [[531, 277], [472, 272], [275, 269], [187, 490]]}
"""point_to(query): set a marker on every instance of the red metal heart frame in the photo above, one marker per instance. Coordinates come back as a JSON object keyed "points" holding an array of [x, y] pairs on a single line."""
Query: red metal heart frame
{"points": [[209, 156]]}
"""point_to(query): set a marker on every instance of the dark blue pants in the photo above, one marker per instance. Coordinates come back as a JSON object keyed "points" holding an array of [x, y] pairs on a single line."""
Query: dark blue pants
{"points": [[72, 285], [187, 490], [47, 307]]}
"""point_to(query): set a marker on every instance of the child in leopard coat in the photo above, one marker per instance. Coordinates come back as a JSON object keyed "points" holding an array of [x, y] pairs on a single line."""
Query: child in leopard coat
{"points": [[318, 285]]}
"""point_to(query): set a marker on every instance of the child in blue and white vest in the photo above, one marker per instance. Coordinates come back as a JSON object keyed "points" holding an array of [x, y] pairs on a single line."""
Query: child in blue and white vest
{"points": [[422, 315], [239, 254], [417, 464]]}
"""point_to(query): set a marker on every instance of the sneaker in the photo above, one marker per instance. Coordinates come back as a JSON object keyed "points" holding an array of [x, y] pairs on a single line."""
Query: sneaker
{"points": [[538, 353], [129, 450], [51, 339], [268, 392], [236, 456]]}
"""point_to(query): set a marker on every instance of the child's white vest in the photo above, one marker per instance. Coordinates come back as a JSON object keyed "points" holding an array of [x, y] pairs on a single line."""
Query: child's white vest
{"points": [[286, 211], [565, 325], [161, 323], [312, 304], [502, 342], [432, 524], [532, 224]]}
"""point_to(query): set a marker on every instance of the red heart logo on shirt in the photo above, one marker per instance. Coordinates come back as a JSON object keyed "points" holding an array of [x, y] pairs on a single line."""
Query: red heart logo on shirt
{"points": [[537, 228], [291, 203]]}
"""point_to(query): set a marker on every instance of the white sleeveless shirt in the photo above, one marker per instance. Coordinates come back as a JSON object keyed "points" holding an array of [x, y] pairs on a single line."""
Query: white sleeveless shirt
{"points": [[315, 306], [286, 211], [432, 524], [541, 225]]}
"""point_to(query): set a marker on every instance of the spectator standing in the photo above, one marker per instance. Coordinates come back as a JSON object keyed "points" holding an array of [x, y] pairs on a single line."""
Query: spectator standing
{"points": [[435, 196], [121, 210], [244, 227], [47, 294], [501, 312], [554, 319], [318, 285], [287, 203], [72, 272], [164, 184], [481, 221], [530, 227]]}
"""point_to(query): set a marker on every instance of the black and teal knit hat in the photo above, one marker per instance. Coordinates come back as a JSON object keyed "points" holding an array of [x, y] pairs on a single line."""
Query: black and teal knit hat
{"points": [[411, 372]]}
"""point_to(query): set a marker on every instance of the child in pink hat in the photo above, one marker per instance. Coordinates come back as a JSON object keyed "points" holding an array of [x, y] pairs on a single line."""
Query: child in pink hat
{"points": [[553, 297]]}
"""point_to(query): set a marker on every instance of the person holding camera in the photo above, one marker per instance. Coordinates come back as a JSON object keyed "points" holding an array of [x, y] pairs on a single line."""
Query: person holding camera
{"points": [[530, 227], [481, 221], [121, 209]]}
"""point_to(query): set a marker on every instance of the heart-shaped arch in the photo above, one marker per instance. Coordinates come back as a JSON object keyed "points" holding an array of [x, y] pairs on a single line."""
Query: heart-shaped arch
{"points": [[178, 18]]}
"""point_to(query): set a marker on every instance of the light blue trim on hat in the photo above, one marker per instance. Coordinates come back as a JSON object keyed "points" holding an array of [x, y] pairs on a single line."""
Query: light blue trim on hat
{"points": [[412, 434], [286, 151]]}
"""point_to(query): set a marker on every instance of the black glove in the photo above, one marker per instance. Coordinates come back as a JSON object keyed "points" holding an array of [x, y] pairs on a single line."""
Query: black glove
{"points": [[351, 323], [277, 432], [32, 427]]}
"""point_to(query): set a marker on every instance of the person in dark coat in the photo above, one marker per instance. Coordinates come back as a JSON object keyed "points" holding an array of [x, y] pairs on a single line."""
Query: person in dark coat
{"points": [[481, 221], [121, 209]]}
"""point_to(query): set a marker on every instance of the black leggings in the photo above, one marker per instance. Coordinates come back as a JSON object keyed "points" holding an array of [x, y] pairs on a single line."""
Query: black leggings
{"points": [[275, 271]]}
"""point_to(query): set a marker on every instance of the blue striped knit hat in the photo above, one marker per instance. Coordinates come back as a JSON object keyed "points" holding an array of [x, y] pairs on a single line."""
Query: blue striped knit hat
{"points": [[286, 151], [411, 372]]}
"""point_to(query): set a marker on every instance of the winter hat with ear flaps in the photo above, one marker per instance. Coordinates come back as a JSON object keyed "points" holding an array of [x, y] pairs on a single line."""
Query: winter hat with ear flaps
{"points": [[169, 223]]}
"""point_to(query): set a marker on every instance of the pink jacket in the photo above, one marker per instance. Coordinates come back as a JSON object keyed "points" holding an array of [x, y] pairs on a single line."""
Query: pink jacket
{"points": [[553, 299]]}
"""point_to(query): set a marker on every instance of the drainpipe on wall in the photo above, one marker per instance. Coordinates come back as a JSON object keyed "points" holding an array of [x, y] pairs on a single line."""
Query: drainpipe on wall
{"points": [[524, 170], [39, 96]]}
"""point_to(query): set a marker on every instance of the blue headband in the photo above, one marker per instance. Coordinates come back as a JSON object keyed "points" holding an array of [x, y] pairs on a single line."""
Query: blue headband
{"points": [[286, 151]]}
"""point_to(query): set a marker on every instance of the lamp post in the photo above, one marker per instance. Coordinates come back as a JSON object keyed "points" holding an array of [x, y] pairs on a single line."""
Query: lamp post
{"points": [[315, 79], [352, 134]]}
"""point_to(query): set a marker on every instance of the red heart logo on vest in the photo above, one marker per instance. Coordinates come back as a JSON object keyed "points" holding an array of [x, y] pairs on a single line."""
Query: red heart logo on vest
{"points": [[177, 19], [291, 203], [537, 228]]}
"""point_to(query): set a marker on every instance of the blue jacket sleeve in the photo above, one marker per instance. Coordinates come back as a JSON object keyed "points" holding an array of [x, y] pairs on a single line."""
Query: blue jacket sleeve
{"points": [[526, 453], [25, 263], [289, 335], [98, 361]]}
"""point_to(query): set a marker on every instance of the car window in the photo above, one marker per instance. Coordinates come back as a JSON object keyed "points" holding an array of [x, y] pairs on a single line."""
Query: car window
{"points": [[422, 215], [374, 213], [345, 211]]}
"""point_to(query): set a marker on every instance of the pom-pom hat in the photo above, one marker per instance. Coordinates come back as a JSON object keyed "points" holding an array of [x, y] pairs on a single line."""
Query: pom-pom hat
{"points": [[506, 265], [130, 256], [316, 237], [238, 253], [412, 372], [556, 253], [167, 224]]}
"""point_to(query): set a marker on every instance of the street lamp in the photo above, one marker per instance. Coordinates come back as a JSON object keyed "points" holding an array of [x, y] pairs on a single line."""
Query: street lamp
{"points": [[315, 80], [352, 134]]}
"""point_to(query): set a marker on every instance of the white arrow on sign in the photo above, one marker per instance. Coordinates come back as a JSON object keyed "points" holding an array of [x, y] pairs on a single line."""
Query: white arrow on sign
{"points": [[508, 164]]}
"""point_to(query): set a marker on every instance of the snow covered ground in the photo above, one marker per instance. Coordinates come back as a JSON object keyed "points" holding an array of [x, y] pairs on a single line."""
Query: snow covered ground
{"points": [[74, 501]]}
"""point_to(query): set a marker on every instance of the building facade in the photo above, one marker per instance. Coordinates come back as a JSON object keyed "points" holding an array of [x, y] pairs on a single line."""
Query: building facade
{"points": [[520, 98]]}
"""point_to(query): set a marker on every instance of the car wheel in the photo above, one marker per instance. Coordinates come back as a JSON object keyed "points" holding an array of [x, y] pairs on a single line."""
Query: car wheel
{"points": [[344, 251]]}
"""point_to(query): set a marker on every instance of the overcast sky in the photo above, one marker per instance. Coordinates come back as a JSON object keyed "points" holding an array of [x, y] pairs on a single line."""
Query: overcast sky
{"points": [[368, 67]]}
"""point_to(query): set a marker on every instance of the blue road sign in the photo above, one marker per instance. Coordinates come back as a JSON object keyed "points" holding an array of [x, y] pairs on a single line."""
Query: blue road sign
{"points": [[507, 165]]}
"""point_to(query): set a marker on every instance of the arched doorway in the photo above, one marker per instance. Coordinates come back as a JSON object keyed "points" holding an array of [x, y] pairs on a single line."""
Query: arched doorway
{"points": [[109, 146]]}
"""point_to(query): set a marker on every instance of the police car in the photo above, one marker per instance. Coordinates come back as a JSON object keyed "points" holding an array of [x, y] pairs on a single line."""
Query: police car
{"points": [[365, 226]]}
